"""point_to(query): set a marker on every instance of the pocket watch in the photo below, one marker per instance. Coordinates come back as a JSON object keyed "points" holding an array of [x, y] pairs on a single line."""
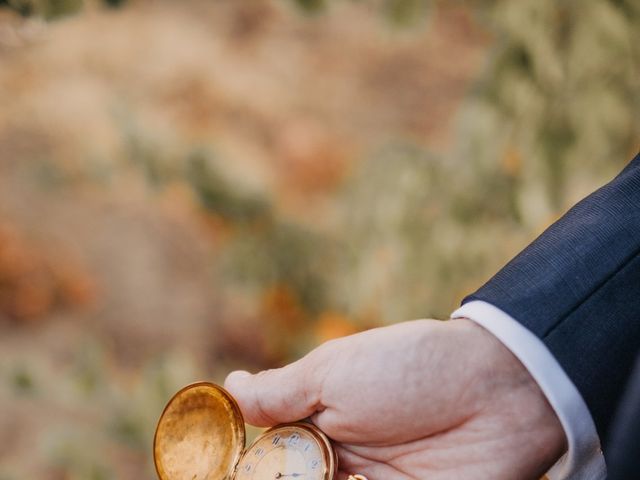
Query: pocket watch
{"points": [[201, 436]]}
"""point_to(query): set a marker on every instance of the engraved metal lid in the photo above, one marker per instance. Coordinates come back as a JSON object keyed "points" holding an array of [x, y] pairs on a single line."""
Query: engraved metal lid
{"points": [[200, 435]]}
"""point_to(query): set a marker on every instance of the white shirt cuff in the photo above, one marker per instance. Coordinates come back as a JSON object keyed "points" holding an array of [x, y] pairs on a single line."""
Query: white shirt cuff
{"points": [[584, 459]]}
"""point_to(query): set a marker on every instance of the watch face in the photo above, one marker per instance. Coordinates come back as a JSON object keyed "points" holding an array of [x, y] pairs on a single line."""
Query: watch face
{"points": [[295, 451]]}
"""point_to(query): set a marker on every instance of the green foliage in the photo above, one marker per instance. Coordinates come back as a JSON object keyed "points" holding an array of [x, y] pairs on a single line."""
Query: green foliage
{"points": [[267, 251], [406, 12], [390, 211], [311, 6], [23, 7], [277, 254], [562, 87], [52, 8], [23, 381], [129, 428], [218, 196], [71, 456], [45, 8]]}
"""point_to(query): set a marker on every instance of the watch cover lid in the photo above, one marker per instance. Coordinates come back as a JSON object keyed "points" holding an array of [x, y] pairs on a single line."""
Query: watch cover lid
{"points": [[200, 435]]}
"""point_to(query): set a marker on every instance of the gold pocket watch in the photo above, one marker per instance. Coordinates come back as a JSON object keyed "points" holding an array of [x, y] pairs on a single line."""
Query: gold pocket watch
{"points": [[201, 436]]}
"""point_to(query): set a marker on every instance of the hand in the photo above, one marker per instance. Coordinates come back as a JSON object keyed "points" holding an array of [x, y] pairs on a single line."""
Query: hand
{"points": [[418, 400]]}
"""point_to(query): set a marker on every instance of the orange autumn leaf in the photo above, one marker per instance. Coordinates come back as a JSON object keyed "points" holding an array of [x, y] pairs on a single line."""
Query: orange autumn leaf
{"points": [[281, 307], [34, 283], [512, 162], [332, 325]]}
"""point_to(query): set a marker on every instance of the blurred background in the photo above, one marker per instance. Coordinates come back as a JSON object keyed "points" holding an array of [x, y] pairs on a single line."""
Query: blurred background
{"points": [[189, 187]]}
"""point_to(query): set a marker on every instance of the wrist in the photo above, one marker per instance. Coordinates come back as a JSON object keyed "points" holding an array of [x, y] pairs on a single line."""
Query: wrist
{"points": [[508, 390]]}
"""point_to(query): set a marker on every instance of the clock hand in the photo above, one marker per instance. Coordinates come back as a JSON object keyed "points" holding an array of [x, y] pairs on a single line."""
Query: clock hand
{"points": [[280, 475]]}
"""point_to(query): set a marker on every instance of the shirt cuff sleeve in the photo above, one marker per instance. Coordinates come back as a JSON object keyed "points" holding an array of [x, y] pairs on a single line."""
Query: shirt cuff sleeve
{"points": [[584, 459]]}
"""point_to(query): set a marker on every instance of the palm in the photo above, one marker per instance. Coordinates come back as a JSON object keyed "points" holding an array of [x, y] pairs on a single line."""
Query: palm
{"points": [[458, 454]]}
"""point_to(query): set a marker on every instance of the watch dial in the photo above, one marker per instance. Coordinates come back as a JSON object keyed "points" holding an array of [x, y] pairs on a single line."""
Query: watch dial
{"points": [[287, 453]]}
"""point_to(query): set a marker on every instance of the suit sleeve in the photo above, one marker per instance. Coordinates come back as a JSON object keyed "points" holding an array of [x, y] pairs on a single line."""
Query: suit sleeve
{"points": [[577, 288]]}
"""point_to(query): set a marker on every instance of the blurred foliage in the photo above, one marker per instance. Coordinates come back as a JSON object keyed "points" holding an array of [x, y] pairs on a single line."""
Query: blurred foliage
{"points": [[266, 252], [219, 196], [23, 381], [562, 84], [311, 5], [406, 12], [402, 12], [35, 283], [52, 8], [561, 89]]}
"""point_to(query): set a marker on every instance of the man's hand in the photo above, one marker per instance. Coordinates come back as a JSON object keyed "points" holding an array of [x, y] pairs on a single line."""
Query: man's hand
{"points": [[423, 400]]}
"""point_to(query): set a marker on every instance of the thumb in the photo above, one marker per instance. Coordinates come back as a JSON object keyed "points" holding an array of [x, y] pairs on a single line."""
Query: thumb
{"points": [[276, 396]]}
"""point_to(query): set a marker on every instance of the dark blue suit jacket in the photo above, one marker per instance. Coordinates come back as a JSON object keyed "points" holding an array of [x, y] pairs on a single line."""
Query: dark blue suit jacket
{"points": [[577, 287]]}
